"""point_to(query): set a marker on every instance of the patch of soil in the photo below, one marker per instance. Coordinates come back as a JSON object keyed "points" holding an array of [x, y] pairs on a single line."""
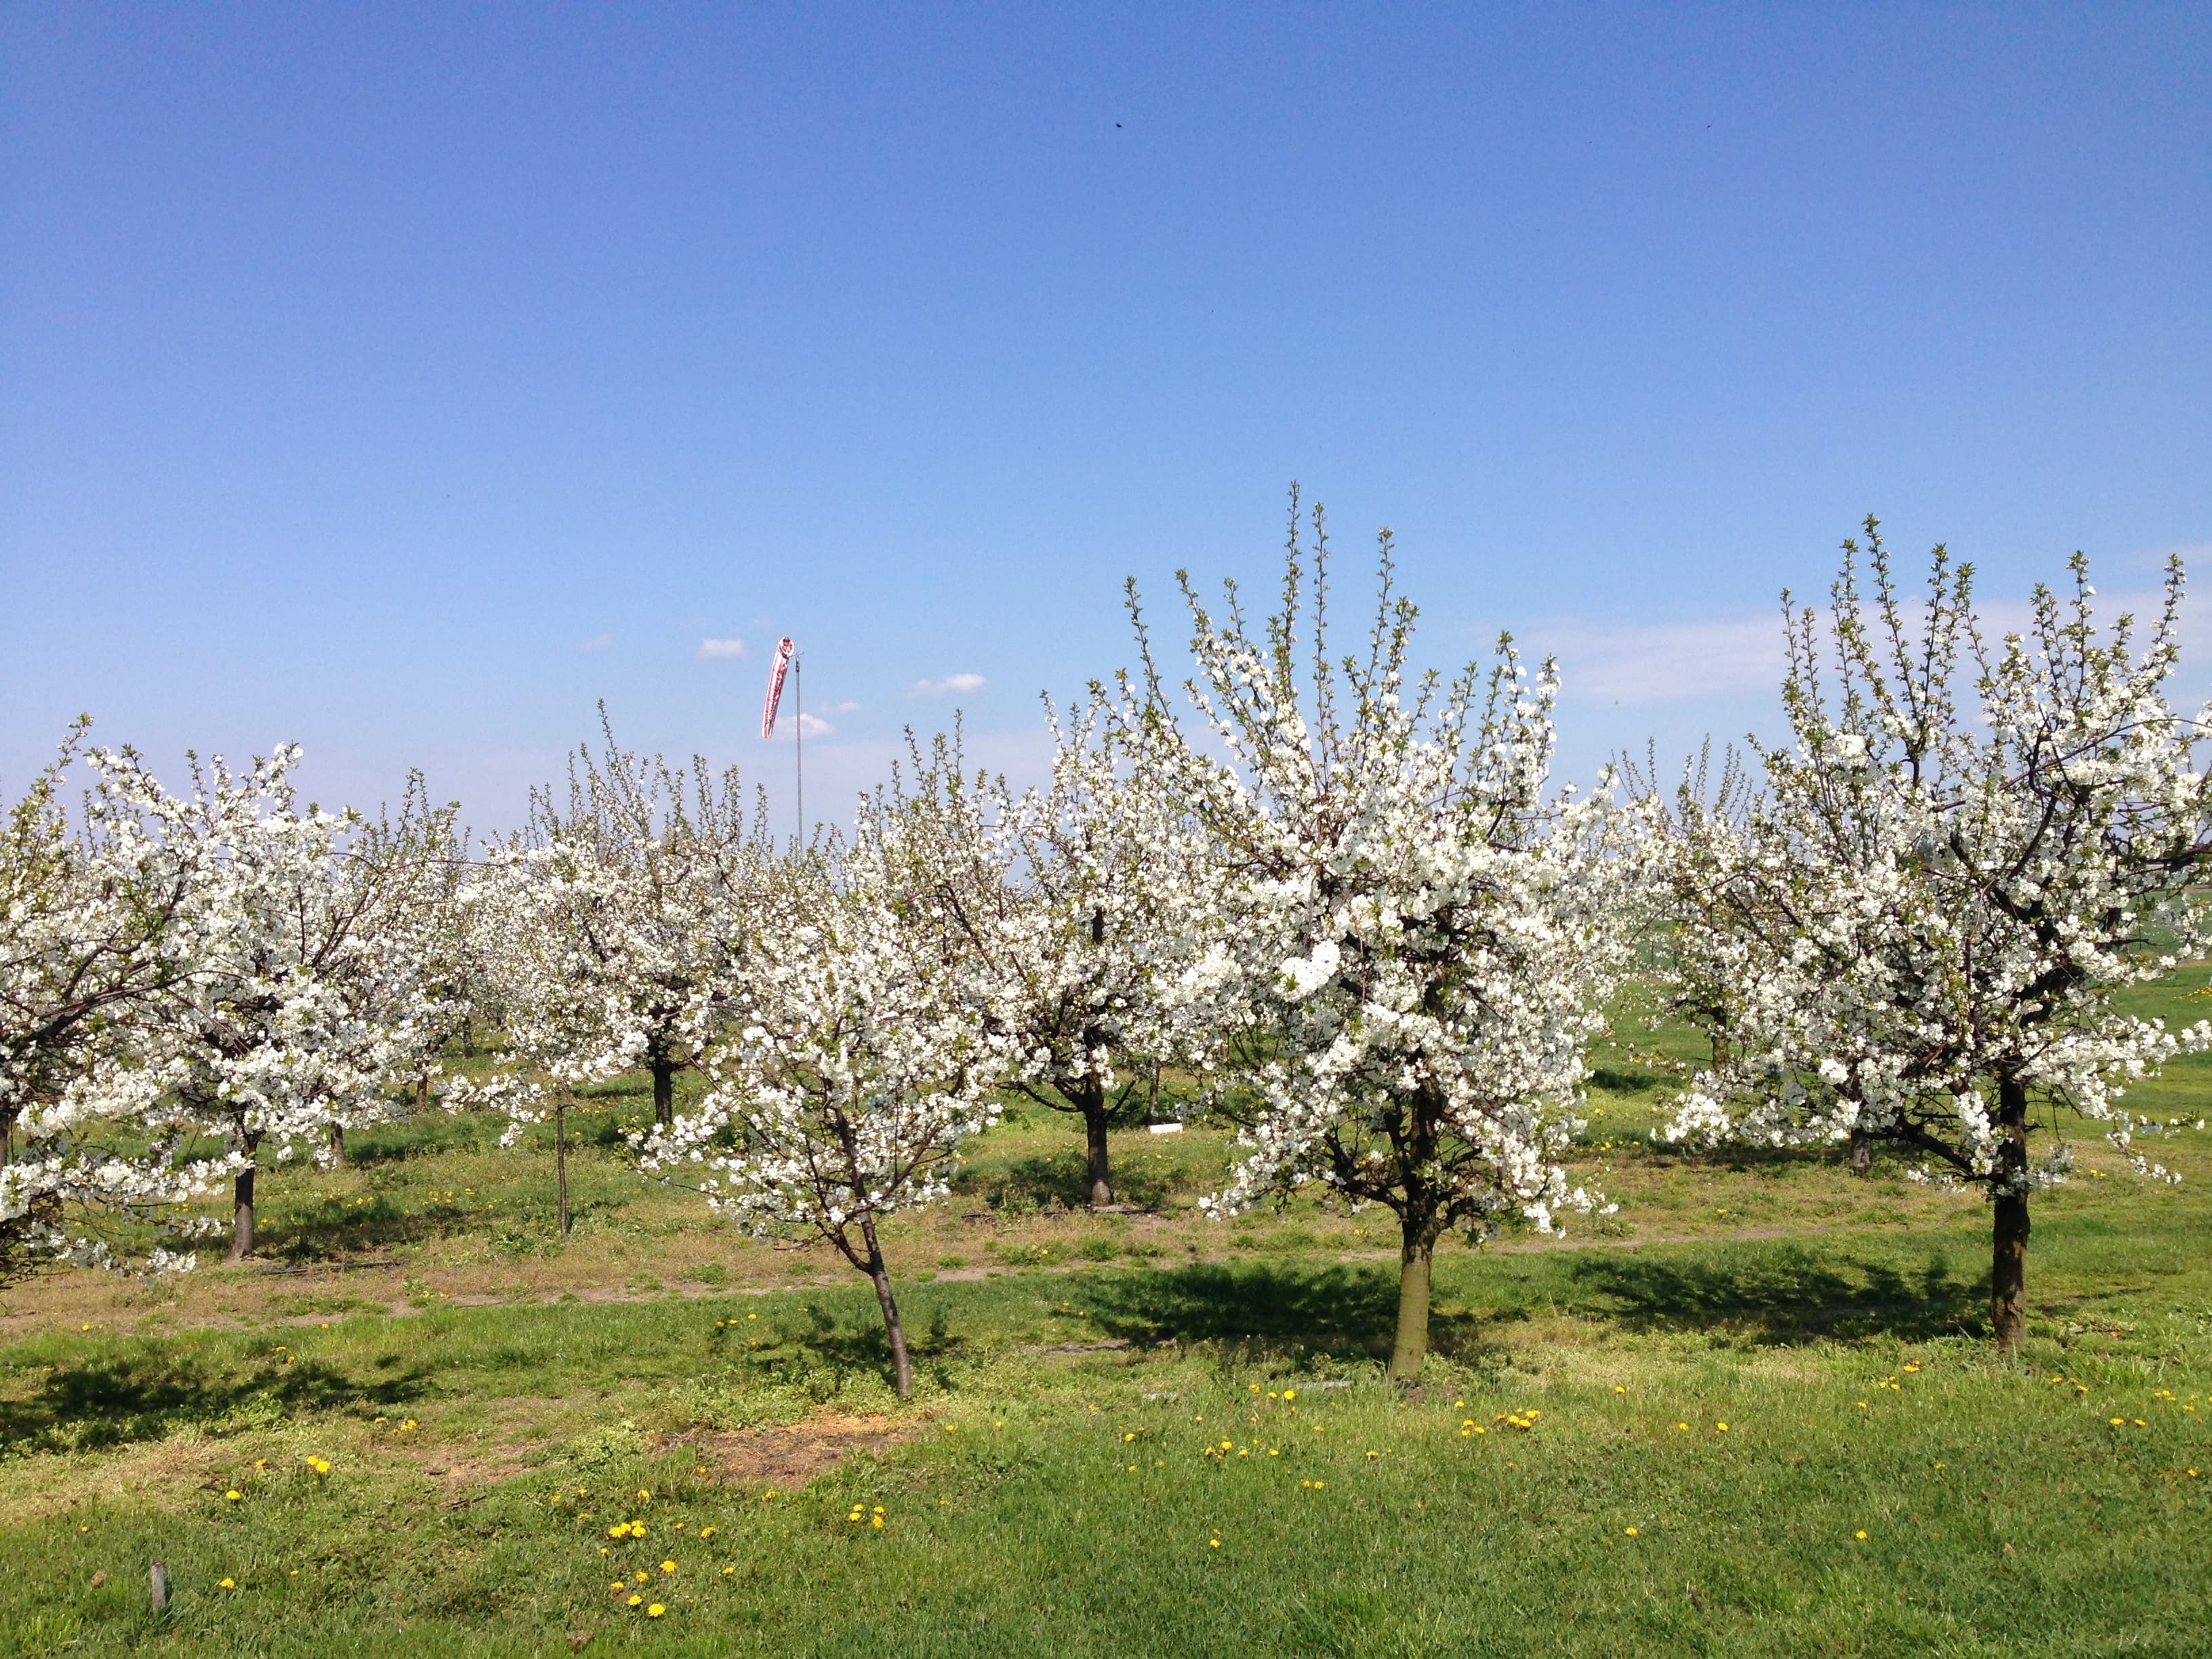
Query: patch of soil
{"points": [[787, 1458], [467, 1477]]}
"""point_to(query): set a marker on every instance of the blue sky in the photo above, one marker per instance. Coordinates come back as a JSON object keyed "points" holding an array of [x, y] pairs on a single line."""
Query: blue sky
{"points": [[402, 380]]}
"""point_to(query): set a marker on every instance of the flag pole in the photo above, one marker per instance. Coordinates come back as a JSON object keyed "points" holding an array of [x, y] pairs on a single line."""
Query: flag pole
{"points": [[798, 736]]}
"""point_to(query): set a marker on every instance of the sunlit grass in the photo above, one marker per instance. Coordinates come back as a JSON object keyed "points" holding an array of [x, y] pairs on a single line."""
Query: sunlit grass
{"points": [[1141, 1433]]}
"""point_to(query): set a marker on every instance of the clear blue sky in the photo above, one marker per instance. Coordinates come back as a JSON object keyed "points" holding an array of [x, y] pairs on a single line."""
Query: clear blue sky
{"points": [[402, 379]]}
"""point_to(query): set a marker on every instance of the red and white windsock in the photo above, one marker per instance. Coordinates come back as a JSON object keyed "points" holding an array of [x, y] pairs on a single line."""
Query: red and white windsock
{"points": [[784, 648]]}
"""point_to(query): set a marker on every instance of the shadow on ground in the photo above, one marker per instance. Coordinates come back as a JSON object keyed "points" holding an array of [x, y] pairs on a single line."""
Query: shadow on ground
{"points": [[131, 1398], [1062, 1180], [1780, 1295], [1342, 1311]]}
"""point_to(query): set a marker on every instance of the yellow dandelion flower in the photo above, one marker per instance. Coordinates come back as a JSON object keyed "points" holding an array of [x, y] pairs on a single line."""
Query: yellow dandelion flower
{"points": [[233, 1495], [1632, 1533], [228, 1583], [668, 1566], [655, 1611], [1860, 1535], [705, 1532], [637, 1601]]}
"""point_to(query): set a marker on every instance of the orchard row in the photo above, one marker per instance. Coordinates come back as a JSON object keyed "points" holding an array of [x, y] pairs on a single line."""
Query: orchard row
{"points": [[1349, 900]]}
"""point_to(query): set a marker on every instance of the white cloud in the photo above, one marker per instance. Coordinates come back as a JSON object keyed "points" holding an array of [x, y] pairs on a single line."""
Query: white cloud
{"points": [[1660, 662], [597, 642], [712, 649], [811, 728], [844, 709], [1632, 663], [951, 685]]}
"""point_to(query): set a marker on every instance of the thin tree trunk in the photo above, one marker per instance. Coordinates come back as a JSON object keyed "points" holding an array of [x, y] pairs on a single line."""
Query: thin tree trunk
{"points": [[561, 1155], [241, 1214], [2008, 1258], [1862, 1152], [1720, 1049], [902, 1367], [422, 1092], [663, 1092], [337, 1144], [1093, 1101], [1410, 1346]]}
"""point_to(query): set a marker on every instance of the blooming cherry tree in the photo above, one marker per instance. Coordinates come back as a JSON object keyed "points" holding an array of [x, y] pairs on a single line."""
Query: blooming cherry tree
{"points": [[1084, 911], [617, 919], [1966, 849], [1430, 937], [853, 1068], [301, 989], [95, 918]]}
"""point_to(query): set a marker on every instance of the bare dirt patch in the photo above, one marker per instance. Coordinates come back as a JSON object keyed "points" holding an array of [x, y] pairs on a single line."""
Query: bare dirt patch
{"points": [[787, 1458]]}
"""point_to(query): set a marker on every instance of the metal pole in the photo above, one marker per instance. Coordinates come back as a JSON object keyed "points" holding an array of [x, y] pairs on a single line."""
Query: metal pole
{"points": [[798, 736]]}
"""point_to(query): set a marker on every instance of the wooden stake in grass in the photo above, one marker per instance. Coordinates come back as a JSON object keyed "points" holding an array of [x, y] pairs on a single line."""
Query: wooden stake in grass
{"points": [[158, 1577], [560, 1154]]}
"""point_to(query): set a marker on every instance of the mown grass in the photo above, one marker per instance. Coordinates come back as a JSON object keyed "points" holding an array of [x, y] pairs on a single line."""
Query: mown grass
{"points": [[490, 1402]]}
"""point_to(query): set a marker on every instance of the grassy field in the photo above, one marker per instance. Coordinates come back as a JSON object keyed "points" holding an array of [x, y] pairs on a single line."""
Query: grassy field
{"points": [[1750, 1414]]}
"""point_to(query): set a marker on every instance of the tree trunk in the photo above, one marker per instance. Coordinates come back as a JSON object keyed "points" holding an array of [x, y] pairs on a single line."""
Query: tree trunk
{"points": [[1093, 1101], [1410, 1346], [1720, 1049], [337, 1144], [241, 1214], [561, 1155], [422, 1092], [1862, 1152], [2009, 1259], [663, 1092], [902, 1367]]}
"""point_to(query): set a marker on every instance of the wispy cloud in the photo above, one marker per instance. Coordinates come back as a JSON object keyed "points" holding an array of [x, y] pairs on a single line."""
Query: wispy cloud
{"points": [[808, 727], [713, 648], [844, 709], [597, 642], [1632, 663], [952, 685], [1660, 662]]}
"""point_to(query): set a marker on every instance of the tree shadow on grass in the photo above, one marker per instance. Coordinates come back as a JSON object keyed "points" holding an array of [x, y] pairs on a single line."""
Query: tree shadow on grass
{"points": [[1062, 1179], [1343, 1311], [127, 1399], [1780, 1296]]}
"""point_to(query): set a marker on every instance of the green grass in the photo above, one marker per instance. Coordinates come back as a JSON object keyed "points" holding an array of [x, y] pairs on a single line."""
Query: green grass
{"points": [[1832, 1323]]}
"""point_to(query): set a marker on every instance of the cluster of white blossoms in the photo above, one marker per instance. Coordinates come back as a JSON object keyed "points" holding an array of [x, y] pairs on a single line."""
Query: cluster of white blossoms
{"points": [[1922, 919], [222, 965]]}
